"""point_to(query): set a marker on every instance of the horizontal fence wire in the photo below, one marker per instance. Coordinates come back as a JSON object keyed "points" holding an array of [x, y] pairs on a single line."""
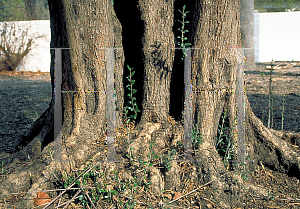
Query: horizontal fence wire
{"points": [[187, 104]]}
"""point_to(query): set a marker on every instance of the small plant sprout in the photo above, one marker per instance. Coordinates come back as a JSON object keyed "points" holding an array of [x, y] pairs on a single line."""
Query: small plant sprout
{"points": [[264, 114], [182, 38], [21, 149], [132, 103], [270, 119], [50, 153], [2, 167], [133, 107], [242, 169], [130, 155], [197, 138], [282, 118], [223, 145]]}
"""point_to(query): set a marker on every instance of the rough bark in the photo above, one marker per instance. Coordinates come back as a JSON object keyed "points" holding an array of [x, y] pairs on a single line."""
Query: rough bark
{"points": [[84, 69], [84, 27], [214, 80], [158, 51]]}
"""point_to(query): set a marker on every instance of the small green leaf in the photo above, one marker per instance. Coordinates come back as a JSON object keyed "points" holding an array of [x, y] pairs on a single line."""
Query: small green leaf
{"points": [[133, 81], [132, 73], [183, 8], [186, 21], [81, 197]]}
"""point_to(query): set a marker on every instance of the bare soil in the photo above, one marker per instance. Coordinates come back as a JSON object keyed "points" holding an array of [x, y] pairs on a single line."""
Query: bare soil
{"points": [[22, 94], [24, 97], [285, 82]]}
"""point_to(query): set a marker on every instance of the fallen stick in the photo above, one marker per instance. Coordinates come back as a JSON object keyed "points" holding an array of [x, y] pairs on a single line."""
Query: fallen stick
{"points": [[278, 67], [195, 189]]}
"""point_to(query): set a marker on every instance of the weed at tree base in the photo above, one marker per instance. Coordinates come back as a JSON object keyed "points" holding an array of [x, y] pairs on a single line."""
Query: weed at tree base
{"points": [[226, 150], [182, 38], [223, 144], [2, 167], [133, 107], [129, 188]]}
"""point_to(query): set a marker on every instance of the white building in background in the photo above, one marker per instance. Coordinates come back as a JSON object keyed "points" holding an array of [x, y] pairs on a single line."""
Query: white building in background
{"points": [[38, 59], [276, 37]]}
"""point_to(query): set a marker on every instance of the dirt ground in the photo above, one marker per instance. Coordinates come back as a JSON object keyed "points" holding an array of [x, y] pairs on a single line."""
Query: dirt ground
{"points": [[24, 97], [284, 82], [284, 191]]}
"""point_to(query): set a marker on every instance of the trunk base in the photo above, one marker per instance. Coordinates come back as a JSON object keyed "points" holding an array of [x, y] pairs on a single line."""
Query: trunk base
{"points": [[169, 175]]}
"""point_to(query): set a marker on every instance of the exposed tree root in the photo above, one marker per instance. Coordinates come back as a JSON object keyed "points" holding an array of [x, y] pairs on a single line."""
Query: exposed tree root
{"points": [[274, 152], [180, 177]]}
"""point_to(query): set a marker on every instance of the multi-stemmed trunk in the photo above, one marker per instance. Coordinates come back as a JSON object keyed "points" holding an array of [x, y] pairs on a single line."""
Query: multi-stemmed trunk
{"points": [[88, 29]]}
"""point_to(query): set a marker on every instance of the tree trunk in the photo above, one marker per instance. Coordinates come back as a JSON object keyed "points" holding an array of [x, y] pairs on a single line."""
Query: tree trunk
{"points": [[215, 33], [83, 69], [247, 32]]}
